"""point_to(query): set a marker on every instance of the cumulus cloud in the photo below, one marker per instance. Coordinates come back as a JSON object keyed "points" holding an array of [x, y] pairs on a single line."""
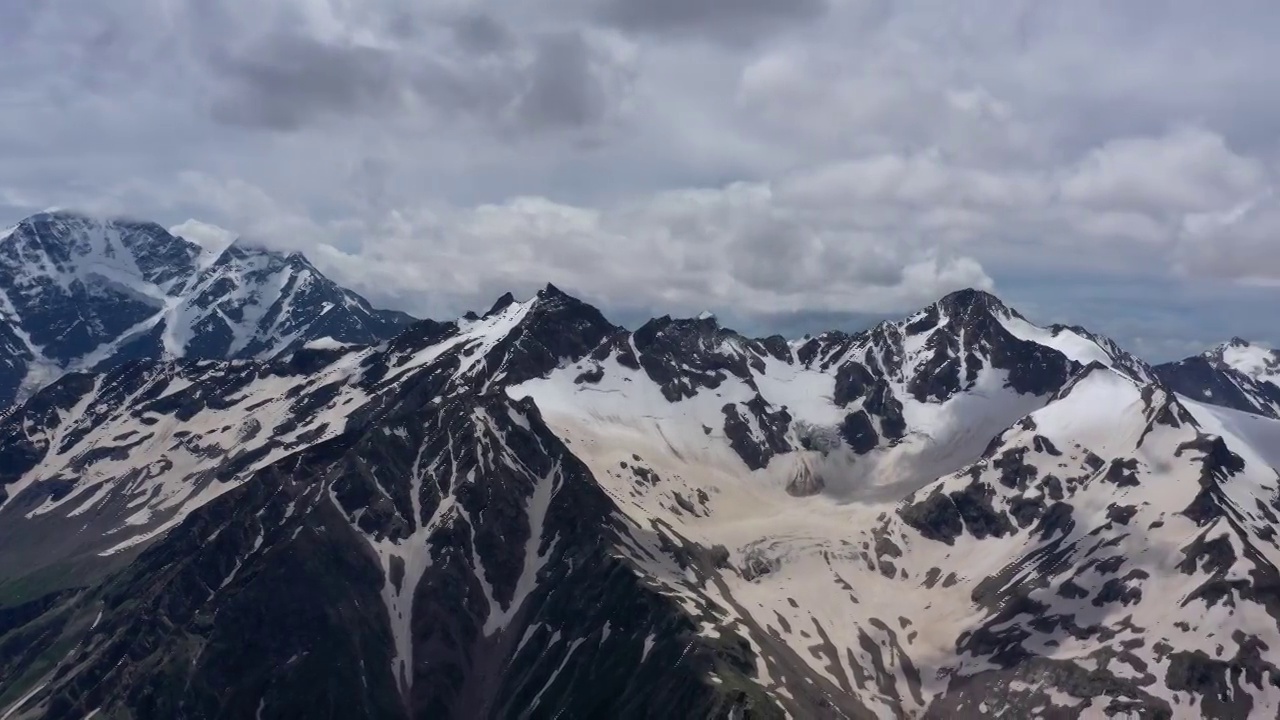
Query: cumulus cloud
{"points": [[1187, 170], [1239, 242], [476, 72], [685, 250]]}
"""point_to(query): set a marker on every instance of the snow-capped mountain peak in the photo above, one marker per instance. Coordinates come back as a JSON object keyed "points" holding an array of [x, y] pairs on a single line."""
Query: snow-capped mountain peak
{"points": [[77, 292], [1237, 374], [53, 253], [1255, 360]]}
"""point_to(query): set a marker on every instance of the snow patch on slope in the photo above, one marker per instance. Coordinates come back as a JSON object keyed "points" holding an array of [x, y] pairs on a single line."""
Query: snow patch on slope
{"points": [[1074, 346], [1260, 435]]}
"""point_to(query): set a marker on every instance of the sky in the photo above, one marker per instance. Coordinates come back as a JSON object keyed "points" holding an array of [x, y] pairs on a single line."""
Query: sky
{"points": [[787, 164]]}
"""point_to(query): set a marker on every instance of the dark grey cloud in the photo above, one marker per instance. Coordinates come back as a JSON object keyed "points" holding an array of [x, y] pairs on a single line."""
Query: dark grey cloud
{"points": [[736, 21], [481, 33], [467, 67], [17, 18], [286, 81], [563, 89]]}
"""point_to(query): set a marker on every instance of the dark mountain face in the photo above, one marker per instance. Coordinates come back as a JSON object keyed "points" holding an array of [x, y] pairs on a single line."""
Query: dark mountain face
{"points": [[536, 513], [258, 604], [78, 293], [1237, 375], [15, 359], [438, 545], [69, 285]]}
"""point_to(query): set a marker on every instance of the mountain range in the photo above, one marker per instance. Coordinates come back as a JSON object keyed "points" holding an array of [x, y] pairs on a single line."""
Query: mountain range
{"points": [[78, 293], [535, 513]]}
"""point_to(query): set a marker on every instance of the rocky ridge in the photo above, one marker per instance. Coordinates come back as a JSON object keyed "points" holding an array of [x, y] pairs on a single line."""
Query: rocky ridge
{"points": [[536, 513]]}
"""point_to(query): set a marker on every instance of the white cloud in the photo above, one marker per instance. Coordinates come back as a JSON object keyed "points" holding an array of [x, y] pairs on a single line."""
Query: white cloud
{"points": [[1187, 170], [922, 179], [1240, 242], [212, 238], [684, 250]]}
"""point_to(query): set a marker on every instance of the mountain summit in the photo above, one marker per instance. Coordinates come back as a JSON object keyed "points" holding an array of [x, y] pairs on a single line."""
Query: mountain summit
{"points": [[537, 513], [83, 293], [1237, 374]]}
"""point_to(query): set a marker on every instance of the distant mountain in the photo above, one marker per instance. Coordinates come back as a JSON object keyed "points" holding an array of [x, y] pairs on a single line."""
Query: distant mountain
{"points": [[82, 293], [1237, 374], [535, 513]]}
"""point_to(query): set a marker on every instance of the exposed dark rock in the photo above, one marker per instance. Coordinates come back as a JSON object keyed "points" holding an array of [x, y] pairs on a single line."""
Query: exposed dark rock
{"points": [[684, 357], [1218, 465], [757, 564], [881, 403], [943, 517], [1121, 514], [1123, 472], [976, 506], [1044, 445], [1223, 685], [859, 433], [592, 376], [1015, 472], [1121, 590], [1026, 510], [1023, 691], [742, 432], [852, 383], [936, 517]]}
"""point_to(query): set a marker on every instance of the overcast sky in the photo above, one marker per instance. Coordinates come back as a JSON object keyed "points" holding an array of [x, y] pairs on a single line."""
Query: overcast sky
{"points": [[785, 163]]}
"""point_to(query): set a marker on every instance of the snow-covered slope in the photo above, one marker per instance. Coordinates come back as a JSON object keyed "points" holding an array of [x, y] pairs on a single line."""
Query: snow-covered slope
{"points": [[1101, 556], [886, 410], [536, 513], [1009, 586], [1237, 374], [79, 293]]}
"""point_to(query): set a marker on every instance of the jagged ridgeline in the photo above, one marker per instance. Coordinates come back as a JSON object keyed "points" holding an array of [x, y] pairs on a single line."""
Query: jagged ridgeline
{"points": [[79, 293], [534, 513]]}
